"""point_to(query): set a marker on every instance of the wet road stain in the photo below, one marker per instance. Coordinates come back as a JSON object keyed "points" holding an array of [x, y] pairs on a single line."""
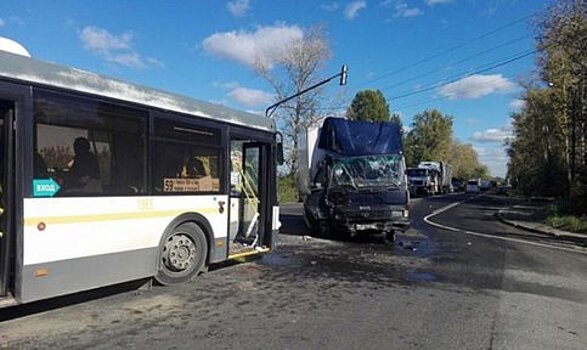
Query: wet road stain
{"points": [[420, 277]]}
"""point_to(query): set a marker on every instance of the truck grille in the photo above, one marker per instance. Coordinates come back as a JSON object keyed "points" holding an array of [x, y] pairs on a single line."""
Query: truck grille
{"points": [[362, 215]]}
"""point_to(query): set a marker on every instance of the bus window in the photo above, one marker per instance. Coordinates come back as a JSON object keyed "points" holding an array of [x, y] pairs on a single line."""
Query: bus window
{"points": [[181, 168], [88, 147]]}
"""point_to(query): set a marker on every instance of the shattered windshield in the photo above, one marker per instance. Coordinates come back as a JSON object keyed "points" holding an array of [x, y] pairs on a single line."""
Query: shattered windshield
{"points": [[367, 171]]}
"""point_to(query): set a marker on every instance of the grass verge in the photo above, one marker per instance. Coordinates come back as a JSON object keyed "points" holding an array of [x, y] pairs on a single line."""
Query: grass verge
{"points": [[561, 216], [286, 189]]}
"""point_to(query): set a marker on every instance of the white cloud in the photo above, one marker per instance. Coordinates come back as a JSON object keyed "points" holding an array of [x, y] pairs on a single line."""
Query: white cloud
{"points": [[265, 45], [97, 39], [226, 85], [352, 9], [476, 86], [472, 121], [238, 8], [437, 2], [250, 97], [333, 6], [517, 104], [493, 135], [402, 10], [495, 158], [115, 48]]}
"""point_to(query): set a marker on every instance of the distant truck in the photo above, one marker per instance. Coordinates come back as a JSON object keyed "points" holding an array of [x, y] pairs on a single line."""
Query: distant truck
{"points": [[352, 179], [430, 178], [420, 181]]}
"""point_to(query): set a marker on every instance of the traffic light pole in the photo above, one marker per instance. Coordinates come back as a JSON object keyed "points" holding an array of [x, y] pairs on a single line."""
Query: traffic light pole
{"points": [[342, 74]]}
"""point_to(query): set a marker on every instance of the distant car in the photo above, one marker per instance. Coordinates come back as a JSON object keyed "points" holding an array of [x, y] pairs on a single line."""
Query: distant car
{"points": [[503, 189], [473, 186], [458, 185], [485, 186]]}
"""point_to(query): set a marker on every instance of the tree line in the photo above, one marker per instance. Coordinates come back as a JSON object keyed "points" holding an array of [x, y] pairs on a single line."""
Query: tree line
{"points": [[548, 150]]}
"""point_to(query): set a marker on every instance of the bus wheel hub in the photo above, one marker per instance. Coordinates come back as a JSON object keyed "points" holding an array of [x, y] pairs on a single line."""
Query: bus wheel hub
{"points": [[179, 254]]}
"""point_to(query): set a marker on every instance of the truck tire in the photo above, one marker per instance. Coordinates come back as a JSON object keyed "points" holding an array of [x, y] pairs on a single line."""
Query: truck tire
{"points": [[389, 237]]}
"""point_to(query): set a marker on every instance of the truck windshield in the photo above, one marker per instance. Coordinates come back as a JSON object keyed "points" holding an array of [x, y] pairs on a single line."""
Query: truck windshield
{"points": [[416, 172], [367, 171]]}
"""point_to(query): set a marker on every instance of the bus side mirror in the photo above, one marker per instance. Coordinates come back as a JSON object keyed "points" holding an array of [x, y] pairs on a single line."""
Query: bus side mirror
{"points": [[279, 154]]}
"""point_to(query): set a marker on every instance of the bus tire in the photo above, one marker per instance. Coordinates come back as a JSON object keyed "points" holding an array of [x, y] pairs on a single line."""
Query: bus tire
{"points": [[182, 255]]}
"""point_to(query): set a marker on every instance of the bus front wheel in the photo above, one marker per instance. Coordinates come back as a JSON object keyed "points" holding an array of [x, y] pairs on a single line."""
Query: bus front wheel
{"points": [[182, 254]]}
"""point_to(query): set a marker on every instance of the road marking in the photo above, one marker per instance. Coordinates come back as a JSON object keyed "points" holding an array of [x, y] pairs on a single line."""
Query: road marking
{"points": [[479, 234]]}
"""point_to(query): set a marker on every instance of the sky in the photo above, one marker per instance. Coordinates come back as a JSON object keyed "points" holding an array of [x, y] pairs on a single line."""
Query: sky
{"points": [[465, 58]]}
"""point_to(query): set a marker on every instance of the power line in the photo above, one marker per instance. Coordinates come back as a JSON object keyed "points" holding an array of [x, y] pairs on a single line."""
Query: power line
{"points": [[454, 78], [479, 71], [446, 51], [452, 64], [428, 100]]}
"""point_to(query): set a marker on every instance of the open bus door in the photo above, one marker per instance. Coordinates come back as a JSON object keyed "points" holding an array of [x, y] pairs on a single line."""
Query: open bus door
{"points": [[249, 196], [6, 196]]}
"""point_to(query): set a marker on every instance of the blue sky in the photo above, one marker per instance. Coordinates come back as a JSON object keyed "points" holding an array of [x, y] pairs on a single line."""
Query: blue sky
{"points": [[204, 49]]}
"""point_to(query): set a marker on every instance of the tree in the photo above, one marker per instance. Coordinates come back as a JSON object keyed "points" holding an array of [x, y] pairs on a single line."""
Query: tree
{"points": [[562, 45], [537, 164], [369, 105], [299, 67], [465, 162], [548, 153], [430, 137]]}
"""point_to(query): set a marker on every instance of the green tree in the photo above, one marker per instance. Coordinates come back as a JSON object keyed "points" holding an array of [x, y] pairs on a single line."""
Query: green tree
{"points": [[548, 153], [537, 164], [465, 161], [370, 105], [562, 45], [430, 137]]}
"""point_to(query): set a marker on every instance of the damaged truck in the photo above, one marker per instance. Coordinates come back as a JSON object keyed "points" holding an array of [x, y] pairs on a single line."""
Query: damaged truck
{"points": [[352, 180]]}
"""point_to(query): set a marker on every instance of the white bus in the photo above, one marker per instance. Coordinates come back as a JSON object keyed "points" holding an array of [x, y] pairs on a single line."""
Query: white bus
{"points": [[104, 182]]}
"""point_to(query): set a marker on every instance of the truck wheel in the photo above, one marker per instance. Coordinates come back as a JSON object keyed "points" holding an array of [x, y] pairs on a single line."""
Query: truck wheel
{"points": [[182, 255], [389, 237], [323, 230]]}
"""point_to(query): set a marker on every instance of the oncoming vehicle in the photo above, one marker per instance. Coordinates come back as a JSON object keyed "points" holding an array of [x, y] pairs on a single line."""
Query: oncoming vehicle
{"points": [[104, 182], [473, 186], [419, 181]]}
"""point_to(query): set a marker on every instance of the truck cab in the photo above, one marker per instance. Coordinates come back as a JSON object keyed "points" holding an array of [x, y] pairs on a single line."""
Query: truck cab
{"points": [[359, 188], [419, 181]]}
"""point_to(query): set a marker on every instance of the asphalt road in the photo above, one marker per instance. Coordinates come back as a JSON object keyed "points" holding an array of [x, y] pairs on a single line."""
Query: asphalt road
{"points": [[432, 289]]}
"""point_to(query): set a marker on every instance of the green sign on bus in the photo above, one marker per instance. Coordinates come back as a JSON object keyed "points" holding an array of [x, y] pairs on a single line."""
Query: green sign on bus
{"points": [[45, 188]]}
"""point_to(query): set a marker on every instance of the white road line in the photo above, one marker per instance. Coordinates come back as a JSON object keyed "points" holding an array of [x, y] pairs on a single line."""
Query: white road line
{"points": [[473, 233]]}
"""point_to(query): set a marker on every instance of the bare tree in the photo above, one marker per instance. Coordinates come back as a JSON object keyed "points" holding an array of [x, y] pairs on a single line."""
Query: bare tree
{"points": [[298, 67]]}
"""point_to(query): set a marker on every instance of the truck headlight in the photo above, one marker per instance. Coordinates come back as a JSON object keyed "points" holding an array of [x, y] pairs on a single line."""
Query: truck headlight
{"points": [[397, 213]]}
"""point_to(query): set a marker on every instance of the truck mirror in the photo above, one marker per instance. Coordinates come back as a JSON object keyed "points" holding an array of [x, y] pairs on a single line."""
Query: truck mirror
{"points": [[279, 150], [279, 154]]}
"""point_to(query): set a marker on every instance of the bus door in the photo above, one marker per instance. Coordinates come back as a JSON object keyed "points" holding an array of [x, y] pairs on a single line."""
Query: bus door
{"points": [[6, 181], [248, 195]]}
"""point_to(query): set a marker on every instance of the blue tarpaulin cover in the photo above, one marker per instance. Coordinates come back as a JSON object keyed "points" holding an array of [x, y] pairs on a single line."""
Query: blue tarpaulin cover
{"points": [[359, 138]]}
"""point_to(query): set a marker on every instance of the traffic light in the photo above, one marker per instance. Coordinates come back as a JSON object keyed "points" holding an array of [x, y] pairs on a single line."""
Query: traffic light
{"points": [[343, 74]]}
